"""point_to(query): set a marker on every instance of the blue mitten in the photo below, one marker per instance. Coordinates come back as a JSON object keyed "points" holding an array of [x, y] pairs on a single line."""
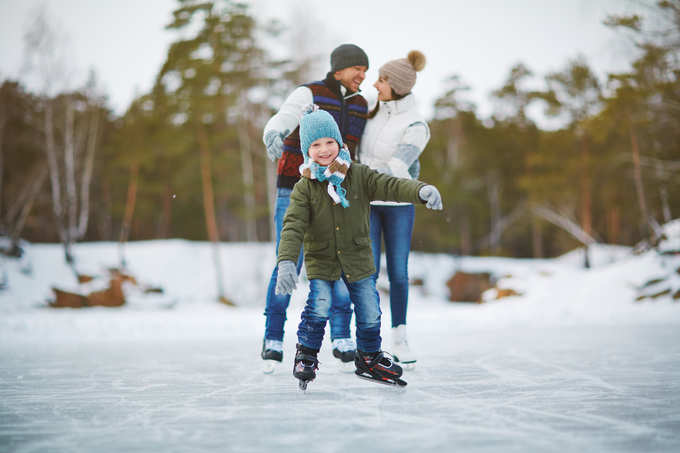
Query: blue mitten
{"points": [[286, 278], [430, 195]]}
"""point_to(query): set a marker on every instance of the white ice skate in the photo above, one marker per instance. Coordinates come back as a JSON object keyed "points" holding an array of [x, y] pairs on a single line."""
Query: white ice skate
{"points": [[344, 350], [272, 355], [400, 348]]}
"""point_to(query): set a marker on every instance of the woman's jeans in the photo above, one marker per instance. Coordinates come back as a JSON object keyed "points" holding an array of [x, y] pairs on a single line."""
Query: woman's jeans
{"points": [[277, 304], [320, 303], [395, 225]]}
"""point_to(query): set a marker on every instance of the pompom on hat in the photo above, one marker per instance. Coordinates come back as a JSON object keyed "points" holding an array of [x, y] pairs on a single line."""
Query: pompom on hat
{"points": [[401, 73]]}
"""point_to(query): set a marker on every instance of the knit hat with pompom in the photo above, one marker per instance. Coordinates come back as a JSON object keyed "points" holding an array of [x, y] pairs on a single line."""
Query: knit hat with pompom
{"points": [[401, 73]]}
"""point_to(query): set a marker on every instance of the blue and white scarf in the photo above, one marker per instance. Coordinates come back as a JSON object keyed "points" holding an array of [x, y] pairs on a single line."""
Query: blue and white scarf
{"points": [[334, 173]]}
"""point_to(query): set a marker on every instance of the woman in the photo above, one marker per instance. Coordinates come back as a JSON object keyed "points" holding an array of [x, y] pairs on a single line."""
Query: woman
{"points": [[394, 137]]}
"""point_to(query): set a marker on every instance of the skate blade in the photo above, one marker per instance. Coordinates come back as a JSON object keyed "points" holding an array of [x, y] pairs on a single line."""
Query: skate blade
{"points": [[270, 366], [302, 384], [392, 383]]}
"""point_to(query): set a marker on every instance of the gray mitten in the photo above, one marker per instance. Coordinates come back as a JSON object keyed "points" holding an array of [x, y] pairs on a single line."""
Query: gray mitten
{"points": [[274, 143], [430, 195], [286, 279]]}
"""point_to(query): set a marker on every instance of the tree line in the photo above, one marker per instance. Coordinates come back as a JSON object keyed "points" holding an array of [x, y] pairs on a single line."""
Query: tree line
{"points": [[186, 158]]}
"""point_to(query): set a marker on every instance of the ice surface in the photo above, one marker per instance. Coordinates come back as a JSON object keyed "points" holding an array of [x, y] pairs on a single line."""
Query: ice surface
{"points": [[572, 388], [572, 365]]}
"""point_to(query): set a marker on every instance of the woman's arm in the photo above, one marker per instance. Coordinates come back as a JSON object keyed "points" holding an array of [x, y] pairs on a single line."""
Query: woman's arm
{"points": [[409, 148]]}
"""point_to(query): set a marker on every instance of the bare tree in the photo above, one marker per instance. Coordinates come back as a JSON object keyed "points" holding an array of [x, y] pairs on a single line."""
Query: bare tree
{"points": [[69, 149]]}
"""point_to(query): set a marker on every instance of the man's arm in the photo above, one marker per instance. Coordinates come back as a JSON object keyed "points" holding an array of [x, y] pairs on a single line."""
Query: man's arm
{"points": [[285, 120]]}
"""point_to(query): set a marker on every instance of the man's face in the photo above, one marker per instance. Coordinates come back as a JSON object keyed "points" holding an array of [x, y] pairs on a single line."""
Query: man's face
{"points": [[351, 77]]}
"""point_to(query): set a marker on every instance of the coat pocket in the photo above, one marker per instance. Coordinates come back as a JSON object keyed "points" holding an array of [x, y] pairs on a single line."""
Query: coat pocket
{"points": [[362, 241], [316, 247]]}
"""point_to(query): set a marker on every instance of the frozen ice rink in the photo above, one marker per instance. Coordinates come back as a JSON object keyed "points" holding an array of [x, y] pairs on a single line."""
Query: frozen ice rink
{"points": [[574, 364], [475, 388]]}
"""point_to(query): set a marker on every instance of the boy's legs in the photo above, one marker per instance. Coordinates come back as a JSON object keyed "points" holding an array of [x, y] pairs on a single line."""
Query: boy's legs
{"points": [[341, 311], [275, 309], [367, 313], [315, 314]]}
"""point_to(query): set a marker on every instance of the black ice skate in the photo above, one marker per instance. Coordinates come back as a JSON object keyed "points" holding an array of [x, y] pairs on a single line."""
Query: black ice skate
{"points": [[305, 365], [378, 367]]}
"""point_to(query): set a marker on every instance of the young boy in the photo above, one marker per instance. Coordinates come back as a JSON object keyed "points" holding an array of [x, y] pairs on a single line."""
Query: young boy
{"points": [[329, 212]]}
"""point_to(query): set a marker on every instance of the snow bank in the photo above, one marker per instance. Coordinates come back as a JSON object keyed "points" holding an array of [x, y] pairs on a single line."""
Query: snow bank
{"points": [[553, 291]]}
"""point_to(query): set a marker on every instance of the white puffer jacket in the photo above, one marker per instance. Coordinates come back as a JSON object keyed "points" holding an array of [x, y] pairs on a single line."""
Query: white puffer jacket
{"points": [[394, 139]]}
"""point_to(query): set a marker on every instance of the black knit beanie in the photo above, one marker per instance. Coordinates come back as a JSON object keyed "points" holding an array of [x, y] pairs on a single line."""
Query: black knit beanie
{"points": [[346, 55]]}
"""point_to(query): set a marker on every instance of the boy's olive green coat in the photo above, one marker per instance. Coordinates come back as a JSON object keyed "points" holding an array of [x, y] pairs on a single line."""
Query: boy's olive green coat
{"points": [[335, 238]]}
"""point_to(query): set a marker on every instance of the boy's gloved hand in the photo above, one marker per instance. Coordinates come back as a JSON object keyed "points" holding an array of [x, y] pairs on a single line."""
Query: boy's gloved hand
{"points": [[274, 143], [286, 279], [430, 195]]}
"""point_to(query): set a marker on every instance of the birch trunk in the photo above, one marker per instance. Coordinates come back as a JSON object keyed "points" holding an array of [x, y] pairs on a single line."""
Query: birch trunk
{"points": [[87, 174], [70, 172], [53, 166]]}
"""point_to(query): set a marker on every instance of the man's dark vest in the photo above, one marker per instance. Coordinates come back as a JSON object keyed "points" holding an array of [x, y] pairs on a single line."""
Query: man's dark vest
{"points": [[350, 114]]}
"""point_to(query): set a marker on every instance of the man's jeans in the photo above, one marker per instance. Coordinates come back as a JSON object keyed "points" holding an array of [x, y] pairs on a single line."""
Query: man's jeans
{"points": [[395, 225], [277, 304], [364, 296]]}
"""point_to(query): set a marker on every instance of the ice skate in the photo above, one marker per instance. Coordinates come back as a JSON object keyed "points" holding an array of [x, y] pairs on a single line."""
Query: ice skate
{"points": [[378, 367], [400, 349], [344, 350], [272, 355], [305, 366]]}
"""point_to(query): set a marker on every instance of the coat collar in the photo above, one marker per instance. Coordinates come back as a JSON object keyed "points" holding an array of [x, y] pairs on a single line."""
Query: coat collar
{"points": [[400, 105], [339, 88]]}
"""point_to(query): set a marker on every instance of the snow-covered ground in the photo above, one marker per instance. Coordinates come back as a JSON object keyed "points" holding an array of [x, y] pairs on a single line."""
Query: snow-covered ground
{"points": [[574, 364]]}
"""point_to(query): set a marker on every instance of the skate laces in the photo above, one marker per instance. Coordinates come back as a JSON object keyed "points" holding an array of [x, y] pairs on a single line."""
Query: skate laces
{"points": [[381, 357], [386, 359]]}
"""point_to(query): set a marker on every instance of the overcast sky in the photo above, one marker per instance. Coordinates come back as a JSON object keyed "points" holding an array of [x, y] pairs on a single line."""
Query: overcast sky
{"points": [[125, 42]]}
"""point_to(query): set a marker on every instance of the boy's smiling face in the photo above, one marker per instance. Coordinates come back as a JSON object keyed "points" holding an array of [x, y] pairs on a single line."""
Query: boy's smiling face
{"points": [[324, 150]]}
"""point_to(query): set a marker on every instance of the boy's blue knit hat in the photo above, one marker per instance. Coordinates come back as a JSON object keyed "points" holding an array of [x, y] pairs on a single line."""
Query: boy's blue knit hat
{"points": [[316, 124]]}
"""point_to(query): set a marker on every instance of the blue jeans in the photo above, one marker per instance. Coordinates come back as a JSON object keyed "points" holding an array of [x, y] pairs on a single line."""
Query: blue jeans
{"points": [[395, 225], [277, 304], [320, 303]]}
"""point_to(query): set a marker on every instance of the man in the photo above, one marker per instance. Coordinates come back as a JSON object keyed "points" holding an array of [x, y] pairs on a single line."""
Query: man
{"points": [[338, 94]]}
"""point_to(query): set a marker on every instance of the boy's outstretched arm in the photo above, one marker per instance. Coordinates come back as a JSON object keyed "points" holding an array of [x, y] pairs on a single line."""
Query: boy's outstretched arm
{"points": [[388, 188]]}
